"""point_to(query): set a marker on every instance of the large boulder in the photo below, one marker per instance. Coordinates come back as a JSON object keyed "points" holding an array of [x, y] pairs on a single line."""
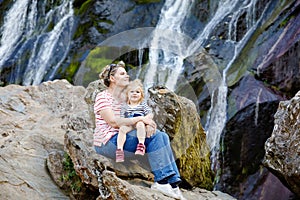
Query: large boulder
{"points": [[36, 123], [178, 117], [283, 147], [31, 126], [175, 115]]}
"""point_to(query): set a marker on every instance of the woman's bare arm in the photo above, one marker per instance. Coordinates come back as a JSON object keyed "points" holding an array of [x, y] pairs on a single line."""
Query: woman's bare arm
{"points": [[150, 115], [109, 116]]}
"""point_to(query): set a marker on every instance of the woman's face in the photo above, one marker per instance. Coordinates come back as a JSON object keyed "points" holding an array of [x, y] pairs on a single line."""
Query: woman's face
{"points": [[121, 78]]}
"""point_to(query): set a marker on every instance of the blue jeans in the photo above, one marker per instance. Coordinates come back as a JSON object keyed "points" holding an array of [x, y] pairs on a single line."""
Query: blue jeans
{"points": [[158, 149]]}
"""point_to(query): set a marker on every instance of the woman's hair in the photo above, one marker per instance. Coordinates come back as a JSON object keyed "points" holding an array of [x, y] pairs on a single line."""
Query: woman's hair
{"points": [[137, 83], [110, 70]]}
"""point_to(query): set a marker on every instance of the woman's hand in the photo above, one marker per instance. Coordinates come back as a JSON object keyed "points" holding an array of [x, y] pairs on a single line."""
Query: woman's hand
{"points": [[150, 129], [148, 121], [149, 124]]}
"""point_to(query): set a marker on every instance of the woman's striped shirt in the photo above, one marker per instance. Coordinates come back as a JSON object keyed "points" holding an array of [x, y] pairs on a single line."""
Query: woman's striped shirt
{"points": [[103, 131]]}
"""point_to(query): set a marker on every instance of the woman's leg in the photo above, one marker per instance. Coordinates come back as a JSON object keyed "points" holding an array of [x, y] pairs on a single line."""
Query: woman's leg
{"points": [[159, 152], [161, 158]]}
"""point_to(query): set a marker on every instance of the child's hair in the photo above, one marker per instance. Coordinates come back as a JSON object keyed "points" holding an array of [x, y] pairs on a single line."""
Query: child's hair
{"points": [[110, 70], [134, 84]]}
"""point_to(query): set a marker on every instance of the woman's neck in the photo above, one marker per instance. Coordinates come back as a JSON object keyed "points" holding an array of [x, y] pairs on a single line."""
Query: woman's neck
{"points": [[116, 92]]}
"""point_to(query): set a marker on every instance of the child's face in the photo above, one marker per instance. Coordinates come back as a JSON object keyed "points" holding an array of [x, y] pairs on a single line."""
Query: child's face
{"points": [[134, 95]]}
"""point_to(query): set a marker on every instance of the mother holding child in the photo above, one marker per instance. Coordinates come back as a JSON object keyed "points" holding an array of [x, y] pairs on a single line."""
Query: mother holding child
{"points": [[107, 109]]}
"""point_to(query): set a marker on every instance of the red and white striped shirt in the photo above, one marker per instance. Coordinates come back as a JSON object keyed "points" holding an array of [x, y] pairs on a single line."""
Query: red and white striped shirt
{"points": [[103, 131]]}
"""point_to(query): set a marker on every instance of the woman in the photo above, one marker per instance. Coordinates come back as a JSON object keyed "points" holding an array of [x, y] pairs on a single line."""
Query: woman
{"points": [[107, 109]]}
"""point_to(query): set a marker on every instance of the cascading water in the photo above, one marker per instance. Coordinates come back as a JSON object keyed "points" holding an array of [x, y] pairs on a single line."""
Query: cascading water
{"points": [[33, 50], [12, 29], [161, 58], [167, 50]]}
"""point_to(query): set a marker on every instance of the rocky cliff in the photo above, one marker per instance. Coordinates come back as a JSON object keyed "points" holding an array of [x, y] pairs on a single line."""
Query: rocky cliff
{"points": [[40, 123]]}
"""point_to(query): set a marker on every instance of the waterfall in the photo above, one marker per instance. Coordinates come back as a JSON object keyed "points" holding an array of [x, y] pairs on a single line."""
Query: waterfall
{"points": [[225, 8], [218, 111], [140, 58], [12, 30], [161, 58], [167, 49], [51, 45], [33, 50]]}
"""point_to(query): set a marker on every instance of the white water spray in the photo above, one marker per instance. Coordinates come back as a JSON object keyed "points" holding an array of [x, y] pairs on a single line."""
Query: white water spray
{"points": [[39, 60], [257, 107], [28, 47], [167, 49], [160, 58], [12, 30]]}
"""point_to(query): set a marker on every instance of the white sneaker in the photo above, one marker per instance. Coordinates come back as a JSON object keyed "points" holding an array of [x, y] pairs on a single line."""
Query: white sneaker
{"points": [[165, 189], [178, 193]]}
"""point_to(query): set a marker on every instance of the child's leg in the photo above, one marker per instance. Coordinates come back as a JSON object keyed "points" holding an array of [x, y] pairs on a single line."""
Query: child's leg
{"points": [[141, 132], [121, 141], [122, 136], [141, 135]]}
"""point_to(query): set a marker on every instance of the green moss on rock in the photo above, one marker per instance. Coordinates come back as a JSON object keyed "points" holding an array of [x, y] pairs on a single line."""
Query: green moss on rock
{"points": [[146, 1], [180, 120], [81, 7], [71, 70]]}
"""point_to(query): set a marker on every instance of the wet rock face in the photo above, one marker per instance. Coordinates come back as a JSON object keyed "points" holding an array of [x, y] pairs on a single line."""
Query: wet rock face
{"points": [[110, 17], [283, 147], [284, 72], [242, 144], [251, 91]]}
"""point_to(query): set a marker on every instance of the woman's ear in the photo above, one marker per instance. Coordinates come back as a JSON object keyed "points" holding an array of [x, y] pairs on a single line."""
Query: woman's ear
{"points": [[112, 79]]}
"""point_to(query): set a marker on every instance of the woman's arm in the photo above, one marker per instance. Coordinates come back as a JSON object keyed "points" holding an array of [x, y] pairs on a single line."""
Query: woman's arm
{"points": [[150, 115], [109, 116]]}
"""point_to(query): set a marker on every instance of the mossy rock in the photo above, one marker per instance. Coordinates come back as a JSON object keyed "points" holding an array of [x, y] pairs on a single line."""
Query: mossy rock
{"points": [[178, 117], [146, 1]]}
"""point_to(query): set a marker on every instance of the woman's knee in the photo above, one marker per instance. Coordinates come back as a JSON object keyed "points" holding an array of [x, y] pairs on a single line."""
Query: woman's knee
{"points": [[162, 134], [161, 137]]}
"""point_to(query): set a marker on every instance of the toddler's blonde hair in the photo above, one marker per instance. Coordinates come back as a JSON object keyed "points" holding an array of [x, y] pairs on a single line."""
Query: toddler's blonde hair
{"points": [[137, 83]]}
